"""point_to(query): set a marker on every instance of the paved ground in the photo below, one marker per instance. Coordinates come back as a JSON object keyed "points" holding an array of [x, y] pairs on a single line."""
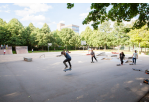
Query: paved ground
{"points": [[43, 79]]}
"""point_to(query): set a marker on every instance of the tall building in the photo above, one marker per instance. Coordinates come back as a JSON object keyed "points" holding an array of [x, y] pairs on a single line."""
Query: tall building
{"points": [[73, 27]]}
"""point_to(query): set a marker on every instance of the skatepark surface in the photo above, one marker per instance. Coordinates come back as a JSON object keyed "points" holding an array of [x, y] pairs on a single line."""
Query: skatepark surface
{"points": [[43, 79]]}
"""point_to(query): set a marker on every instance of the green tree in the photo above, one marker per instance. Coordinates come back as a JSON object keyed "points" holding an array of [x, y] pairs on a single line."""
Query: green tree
{"points": [[44, 36], [18, 37], [105, 31], [118, 12], [66, 35], [85, 35], [119, 34], [4, 33], [138, 36]]}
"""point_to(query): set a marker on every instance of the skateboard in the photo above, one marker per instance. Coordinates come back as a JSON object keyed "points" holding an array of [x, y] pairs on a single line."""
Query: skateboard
{"points": [[92, 62], [146, 81], [136, 69], [118, 64], [147, 71], [67, 70]]}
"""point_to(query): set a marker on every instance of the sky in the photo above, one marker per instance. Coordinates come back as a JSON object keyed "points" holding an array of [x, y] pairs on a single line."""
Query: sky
{"points": [[51, 13]]}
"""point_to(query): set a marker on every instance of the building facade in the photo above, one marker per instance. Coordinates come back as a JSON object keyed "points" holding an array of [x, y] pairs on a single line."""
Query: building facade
{"points": [[75, 28]]}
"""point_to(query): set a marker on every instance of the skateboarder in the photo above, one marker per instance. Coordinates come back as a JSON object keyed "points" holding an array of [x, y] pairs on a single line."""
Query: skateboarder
{"points": [[68, 59], [93, 55], [134, 57], [121, 56]]}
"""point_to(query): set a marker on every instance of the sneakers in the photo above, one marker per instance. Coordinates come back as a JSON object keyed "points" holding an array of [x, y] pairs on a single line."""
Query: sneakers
{"points": [[66, 67]]}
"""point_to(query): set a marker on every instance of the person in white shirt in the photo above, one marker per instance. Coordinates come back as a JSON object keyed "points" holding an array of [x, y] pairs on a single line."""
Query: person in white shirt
{"points": [[134, 57]]}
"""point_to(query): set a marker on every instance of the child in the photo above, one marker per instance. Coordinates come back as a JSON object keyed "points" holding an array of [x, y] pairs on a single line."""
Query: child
{"points": [[4, 51], [68, 59]]}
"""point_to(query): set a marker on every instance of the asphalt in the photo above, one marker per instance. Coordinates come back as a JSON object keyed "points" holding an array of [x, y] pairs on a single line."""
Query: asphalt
{"points": [[43, 79]]}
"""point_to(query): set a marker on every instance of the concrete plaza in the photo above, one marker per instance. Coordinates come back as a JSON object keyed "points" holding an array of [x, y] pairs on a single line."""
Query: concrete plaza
{"points": [[43, 79]]}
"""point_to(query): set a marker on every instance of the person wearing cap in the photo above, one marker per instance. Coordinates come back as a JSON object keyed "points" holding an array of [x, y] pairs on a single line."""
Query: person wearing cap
{"points": [[134, 57]]}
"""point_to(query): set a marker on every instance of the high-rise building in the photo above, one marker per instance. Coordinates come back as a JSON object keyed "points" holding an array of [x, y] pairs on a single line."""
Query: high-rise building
{"points": [[73, 27]]}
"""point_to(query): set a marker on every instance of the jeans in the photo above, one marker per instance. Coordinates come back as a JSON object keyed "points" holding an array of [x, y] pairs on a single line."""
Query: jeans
{"points": [[94, 58], [134, 60], [67, 60], [121, 60]]}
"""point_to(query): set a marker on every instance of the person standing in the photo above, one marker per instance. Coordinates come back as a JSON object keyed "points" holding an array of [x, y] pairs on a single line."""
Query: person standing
{"points": [[134, 57], [68, 59], [121, 56], [32, 50], [4, 46], [4, 51], [1, 46], [93, 56]]}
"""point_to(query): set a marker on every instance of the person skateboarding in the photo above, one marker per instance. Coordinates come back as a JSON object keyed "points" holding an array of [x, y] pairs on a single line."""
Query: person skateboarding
{"points": [[121, 56], [68, 59], [134, 57], [93, 55]]}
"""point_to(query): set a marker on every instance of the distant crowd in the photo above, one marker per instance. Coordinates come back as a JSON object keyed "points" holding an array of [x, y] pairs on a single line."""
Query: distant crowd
{"points": [[4, 46]]}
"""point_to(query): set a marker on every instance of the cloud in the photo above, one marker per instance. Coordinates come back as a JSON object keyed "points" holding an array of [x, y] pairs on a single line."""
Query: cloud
{"points": [[83, 15], [62, 22], [34, 18], [29, 13], [32, 8], [5, 8], [7, 11]]}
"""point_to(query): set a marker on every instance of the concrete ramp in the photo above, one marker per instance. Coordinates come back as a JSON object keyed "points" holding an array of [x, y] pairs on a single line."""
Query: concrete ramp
{"points": [[21, 49], [8, 50]]}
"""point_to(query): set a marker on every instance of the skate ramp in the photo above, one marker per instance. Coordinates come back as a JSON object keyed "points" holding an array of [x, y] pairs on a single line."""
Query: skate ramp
{"points": [[8, 50], [21, 49]]}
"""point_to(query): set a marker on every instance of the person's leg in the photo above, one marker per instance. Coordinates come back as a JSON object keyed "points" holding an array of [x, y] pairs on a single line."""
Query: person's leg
{"points": [[95, 58], [69, 63], [92, 59], [135, 60], [65, 63], [121, 60]]}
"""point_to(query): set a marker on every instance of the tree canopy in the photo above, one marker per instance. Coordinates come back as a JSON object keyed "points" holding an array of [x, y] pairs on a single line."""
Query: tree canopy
{"points": [[119, 12]]}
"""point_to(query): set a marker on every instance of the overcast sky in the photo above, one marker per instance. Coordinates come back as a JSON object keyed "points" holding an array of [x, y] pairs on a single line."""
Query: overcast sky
{"points": [[51, 13]]}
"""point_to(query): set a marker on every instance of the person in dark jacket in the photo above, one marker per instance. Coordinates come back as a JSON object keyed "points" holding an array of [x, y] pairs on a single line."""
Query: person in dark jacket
{"points": [[121, 56], [68, 59]]}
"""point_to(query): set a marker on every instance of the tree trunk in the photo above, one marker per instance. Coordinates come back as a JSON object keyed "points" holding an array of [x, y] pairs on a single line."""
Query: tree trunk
{"points": [[133, 47], [75, 47], [141, 49], [145, 49], [42, 48], [129, 48], [104, 47]]}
